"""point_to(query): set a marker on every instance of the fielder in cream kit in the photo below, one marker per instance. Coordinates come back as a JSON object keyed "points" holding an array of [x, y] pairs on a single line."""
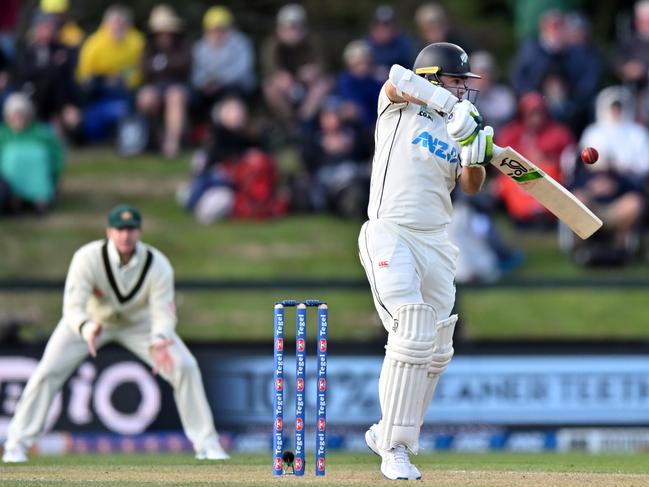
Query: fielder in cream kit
{"points": [[117, 290], [428, 137]]}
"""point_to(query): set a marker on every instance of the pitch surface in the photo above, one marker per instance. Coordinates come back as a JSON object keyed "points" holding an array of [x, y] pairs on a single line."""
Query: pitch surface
{"points": [[442, 470]]}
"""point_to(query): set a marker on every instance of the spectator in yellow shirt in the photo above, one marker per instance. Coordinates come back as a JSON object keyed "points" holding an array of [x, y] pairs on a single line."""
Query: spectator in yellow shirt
{"points": [[109, 71], [113, 52]]}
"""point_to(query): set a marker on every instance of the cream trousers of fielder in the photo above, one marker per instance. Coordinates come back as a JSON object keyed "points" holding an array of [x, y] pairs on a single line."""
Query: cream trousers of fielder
{"points": [[66, 350], [407, 266]]}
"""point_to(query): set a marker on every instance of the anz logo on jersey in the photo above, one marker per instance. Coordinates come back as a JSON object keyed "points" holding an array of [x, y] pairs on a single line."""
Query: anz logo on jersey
{"points": [[436, 147]]}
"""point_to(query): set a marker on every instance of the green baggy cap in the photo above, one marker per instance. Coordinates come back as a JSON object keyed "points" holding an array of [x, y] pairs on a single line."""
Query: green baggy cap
{"points": [[124, 216]]}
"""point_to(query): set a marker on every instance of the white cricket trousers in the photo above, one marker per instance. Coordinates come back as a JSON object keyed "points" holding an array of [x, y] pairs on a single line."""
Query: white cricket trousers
{"points": [[66, 350], [406, 266]]}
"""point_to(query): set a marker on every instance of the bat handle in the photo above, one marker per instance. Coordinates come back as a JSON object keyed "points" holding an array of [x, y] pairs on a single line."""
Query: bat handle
{"points": [[498, 149]]}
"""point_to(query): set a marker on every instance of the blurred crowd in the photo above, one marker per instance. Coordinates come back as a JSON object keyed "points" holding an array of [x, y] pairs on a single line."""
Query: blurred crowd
{"points": [[169, 89]]}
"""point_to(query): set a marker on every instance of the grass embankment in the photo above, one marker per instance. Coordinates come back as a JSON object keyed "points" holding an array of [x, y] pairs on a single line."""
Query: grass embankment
{"points": [[294, 247]]}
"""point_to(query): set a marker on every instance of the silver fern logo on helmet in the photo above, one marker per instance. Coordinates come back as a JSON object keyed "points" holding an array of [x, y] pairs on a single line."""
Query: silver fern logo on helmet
{"points": [[464, 57]]}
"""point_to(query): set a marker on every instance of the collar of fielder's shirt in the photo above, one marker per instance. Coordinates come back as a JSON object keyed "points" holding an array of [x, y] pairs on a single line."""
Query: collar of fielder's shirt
{"points": [[113, 256]]}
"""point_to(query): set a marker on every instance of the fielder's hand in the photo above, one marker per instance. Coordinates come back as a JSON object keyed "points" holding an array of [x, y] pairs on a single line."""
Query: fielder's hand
{"points": [[90, 331], [162, 361]]}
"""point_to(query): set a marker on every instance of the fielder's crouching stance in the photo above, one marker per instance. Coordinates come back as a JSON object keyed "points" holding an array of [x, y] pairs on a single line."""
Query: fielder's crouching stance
{"points": [[117, 290], [427, 140]]}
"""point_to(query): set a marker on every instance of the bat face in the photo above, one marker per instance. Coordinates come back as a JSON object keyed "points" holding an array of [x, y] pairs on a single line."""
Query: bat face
{"points": [[552, 195]]}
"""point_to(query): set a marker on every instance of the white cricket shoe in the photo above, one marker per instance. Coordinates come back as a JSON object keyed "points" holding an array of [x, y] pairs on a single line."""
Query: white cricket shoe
{"points": [[370, 439], [14, 454], [395, 464], [392, 461], [213, 453]]}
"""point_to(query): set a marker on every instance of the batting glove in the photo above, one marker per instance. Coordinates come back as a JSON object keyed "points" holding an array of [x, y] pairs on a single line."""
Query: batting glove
{"points": [[479, 150], [463, 123]]}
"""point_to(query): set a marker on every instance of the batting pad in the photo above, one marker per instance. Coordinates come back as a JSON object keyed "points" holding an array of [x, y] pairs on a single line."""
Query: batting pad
{"points": [[442, 355], [443, 347], [404, 375]]}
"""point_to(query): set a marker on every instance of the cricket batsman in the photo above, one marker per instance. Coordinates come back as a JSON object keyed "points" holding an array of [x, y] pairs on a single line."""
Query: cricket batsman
{"points": [[117, 290], [429, 137]]}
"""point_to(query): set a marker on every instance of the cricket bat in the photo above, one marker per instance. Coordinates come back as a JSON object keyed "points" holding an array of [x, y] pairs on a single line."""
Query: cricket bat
{"points": [[552, 195]]}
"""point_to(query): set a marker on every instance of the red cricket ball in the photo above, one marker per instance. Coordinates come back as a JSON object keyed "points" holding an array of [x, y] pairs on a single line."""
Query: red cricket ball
{"points": [[589, 155]]}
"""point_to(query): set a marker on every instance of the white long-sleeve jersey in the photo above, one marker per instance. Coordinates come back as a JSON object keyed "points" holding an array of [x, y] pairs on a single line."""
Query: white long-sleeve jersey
{"points": [[415, 166], [99, 289]]}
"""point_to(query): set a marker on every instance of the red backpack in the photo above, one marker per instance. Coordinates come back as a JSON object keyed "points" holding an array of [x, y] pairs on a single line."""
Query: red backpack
{"points": [[255, 178]]}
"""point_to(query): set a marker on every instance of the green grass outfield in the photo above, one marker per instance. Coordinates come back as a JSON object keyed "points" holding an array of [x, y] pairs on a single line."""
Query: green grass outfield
{"points": [[441, 470], [304, 246]]}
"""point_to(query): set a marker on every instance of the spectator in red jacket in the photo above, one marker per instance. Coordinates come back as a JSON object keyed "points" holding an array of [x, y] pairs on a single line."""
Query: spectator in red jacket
{"points": [[233, 175], [542, 140]]}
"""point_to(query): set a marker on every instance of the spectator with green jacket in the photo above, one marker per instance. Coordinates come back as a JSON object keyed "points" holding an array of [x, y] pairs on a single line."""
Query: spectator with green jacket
{"points": [[31, 159]]}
